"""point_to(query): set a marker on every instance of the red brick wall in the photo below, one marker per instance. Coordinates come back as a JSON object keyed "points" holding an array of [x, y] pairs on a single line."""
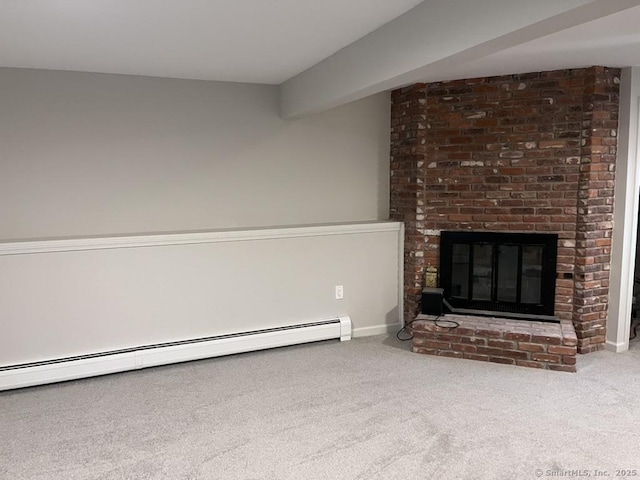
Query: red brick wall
{"points": [[525, 153], [595, 206], [408, 137]]}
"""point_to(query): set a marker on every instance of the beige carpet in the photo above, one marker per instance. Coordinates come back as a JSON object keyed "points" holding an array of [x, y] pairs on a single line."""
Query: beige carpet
{"points": [[364, 409]]}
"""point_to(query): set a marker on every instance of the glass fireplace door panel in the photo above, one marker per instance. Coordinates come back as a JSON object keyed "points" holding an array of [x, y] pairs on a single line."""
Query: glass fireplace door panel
{"points": [[532, 274], [508, 263], [482, 272], [460, 270], [495, 272]]}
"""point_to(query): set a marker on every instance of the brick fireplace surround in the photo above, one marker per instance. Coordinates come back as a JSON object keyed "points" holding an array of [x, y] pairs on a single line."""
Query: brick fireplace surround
{"points": [[530, 152]]}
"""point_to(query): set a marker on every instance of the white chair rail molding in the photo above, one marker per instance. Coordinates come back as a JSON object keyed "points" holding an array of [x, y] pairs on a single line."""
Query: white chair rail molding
{"points": [[81, 307]]}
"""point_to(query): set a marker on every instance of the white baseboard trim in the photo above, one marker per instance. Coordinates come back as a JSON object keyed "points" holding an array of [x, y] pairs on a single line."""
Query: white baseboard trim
{"points": [[41, 373], [376, 330], [615, 347]]}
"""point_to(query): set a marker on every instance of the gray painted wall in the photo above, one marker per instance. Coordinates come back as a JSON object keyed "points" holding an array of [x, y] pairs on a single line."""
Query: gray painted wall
{"points": [[101, 155], [61, 304], [97, 154]]}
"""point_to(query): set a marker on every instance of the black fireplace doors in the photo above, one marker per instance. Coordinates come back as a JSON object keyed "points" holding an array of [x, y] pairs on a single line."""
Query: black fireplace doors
{"points": [[499, 272]]}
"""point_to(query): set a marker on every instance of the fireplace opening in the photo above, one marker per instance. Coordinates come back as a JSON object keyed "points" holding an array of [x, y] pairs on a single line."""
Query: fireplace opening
{"points": [[491, 273]]}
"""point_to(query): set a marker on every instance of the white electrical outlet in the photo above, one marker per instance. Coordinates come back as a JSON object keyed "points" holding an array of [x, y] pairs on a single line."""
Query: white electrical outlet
{"points": [[339, 292]]}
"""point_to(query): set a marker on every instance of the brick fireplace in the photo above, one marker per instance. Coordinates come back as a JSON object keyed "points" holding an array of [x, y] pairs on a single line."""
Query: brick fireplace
{"points": [[530, 153]]}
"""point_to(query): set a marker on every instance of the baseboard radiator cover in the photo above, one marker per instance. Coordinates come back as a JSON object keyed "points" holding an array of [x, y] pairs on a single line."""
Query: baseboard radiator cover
{"points": [[72, 368]]}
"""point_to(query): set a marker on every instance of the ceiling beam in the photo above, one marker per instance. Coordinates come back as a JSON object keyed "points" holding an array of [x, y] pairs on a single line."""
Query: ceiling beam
{"points": [[421, 44]]}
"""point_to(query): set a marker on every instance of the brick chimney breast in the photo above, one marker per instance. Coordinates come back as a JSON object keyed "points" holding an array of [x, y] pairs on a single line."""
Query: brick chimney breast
{"points": [[530, 152]]}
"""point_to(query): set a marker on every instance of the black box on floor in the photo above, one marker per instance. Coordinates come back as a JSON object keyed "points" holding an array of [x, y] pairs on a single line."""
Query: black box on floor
{"points": [[432, 301]]}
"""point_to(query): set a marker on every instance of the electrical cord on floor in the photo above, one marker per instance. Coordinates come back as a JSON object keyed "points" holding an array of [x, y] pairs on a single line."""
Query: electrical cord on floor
{"points": [[403, 329], [450, 324]]}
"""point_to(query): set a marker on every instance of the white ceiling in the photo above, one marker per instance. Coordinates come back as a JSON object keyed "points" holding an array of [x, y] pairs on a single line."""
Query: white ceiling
{"points": [[612, 41], [273, 41], [257, 41]]}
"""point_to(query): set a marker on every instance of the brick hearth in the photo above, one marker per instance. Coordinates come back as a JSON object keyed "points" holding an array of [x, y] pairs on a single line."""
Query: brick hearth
{"points": [[515, 342]]}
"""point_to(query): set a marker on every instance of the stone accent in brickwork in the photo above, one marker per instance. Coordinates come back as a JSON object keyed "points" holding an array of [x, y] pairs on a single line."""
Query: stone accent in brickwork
{"points": [[551, 346]]}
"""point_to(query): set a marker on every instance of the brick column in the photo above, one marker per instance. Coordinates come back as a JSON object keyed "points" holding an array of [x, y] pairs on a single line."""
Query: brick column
{"points": [[408, 133], [595, 206]]}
